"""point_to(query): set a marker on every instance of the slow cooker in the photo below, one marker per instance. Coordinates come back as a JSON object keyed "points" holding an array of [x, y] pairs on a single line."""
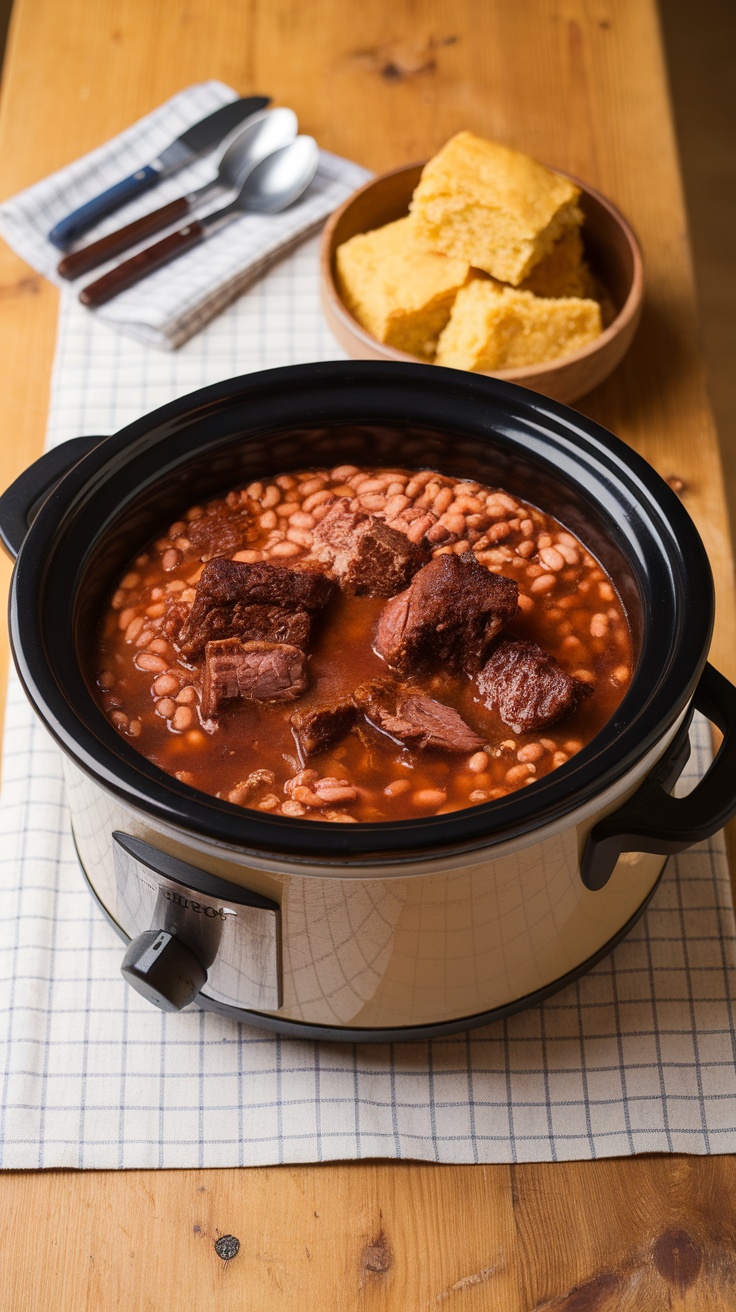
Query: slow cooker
{"points": [[393, 930]]}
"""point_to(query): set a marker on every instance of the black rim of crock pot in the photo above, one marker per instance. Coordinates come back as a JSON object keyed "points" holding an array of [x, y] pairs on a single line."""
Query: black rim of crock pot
{"points": [[399, 395]]}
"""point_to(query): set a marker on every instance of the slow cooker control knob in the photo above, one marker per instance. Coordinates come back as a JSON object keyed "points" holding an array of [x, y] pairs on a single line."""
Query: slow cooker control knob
{"points": [[163, 970]]}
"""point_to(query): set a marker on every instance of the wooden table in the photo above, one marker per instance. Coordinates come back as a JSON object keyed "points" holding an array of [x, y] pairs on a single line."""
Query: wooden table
{"points": [[581, 85]]}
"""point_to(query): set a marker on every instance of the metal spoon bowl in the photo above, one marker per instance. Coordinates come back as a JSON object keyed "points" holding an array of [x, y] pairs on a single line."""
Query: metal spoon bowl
{"points": [[264, 133]]}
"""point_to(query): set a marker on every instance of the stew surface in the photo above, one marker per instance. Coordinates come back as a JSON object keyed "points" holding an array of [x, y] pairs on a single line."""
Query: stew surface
{"points": [[178, 672]]}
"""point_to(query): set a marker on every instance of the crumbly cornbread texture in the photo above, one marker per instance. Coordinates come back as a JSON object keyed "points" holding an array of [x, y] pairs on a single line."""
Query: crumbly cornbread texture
{"points": [[563, 271], [492, 206], [495, 327], [396, 288]]}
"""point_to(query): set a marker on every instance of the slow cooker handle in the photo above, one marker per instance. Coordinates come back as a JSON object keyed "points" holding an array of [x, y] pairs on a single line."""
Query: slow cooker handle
{"points": [[652, 820], [21, 502]]}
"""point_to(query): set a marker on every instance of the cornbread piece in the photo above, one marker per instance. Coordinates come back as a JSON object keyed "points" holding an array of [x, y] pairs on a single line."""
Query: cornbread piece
{"points": [[363, 553], [254, 671], [448, 617], [495, 327], [317, 729], [234, 599], [492, 206], [415, 719], [396, 288], [563, 272], [528, 688]]}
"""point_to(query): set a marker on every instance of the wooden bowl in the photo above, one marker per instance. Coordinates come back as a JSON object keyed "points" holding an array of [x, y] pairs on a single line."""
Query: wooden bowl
{"points": [[610, 247]]}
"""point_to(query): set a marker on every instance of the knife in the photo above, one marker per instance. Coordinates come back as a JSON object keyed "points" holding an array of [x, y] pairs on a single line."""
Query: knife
{"points": [[196, 141]]}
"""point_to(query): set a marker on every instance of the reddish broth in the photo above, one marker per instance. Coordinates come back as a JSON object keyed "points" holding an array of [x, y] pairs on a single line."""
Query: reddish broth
{"points": [[151, 692]]}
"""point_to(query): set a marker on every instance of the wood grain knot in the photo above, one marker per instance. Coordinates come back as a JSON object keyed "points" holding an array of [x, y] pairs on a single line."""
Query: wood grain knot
{"points": [[227, 1247], [28, 286], [377, 1256], [678, 1258], [398, 61], [595, 1295]]}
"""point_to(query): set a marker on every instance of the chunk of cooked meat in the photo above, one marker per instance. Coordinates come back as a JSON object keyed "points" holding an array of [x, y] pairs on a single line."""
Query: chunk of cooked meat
{"points": [[234, 599], [319, 727], [415, 719], [528, 688], [366, 556], [252, 671], [448, 616]]}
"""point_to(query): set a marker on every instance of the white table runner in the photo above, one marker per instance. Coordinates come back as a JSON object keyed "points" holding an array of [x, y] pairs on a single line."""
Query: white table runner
{"points": [[638, 1056]]}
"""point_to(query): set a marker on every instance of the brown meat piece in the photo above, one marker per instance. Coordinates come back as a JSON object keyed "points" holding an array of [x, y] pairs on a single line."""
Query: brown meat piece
{"points": [[251, 671], [528, 688], [366, 556], [253, 601], [448, 616], [415, 719], [318, 728]]}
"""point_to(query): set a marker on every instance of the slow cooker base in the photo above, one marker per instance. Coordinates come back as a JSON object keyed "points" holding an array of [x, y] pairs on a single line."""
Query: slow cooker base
{"points": [[398, 1034]]}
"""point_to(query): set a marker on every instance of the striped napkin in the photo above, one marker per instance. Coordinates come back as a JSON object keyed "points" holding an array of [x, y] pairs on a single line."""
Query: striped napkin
{"points": [[176, 301]]}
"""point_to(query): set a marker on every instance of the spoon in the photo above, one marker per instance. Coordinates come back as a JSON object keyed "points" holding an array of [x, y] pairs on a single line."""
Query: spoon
{"points": [[264, 133]]}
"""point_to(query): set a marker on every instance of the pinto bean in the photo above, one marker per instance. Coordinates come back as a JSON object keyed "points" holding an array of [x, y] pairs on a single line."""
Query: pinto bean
{"points": [[372, 501], [171, 559], [552, 558], [429, 797], [148, 661], [397, 787], [317, 499], [183, 718], [134, 628], [419, 527], [286, 548], [530, 752], [187, 696], [543, 584], [292, 808], [298, 519], [395, 504], [165, 685], [453, 522]]}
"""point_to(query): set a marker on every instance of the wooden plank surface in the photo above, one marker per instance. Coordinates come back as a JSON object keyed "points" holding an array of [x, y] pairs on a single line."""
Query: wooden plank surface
{"points": [[581, 85]]}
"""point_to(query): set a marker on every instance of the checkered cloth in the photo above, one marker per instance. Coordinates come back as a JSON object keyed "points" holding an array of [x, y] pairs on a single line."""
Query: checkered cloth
{"points": [[637, 1056], [176, 301]]}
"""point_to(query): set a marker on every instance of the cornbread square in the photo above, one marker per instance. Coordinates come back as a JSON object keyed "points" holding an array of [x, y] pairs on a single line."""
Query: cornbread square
{"points": [[493, 327], [492, 206], [398, 290], [563, 271]]}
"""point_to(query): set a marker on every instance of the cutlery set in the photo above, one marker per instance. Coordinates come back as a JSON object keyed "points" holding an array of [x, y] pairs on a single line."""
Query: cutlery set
{"points": [[263, 165]]}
